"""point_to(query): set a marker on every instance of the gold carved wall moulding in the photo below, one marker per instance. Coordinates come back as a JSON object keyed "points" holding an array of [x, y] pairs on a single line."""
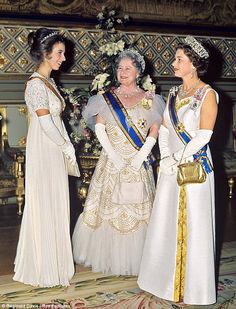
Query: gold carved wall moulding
{"points": [[211, 12]]}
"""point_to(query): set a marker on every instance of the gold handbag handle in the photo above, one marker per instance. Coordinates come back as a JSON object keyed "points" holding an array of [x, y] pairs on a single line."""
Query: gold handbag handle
{"points": [[182, 154]]}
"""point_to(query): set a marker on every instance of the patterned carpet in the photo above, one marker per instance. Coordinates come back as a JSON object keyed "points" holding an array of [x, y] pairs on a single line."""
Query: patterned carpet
{"points": [[95, 290]]}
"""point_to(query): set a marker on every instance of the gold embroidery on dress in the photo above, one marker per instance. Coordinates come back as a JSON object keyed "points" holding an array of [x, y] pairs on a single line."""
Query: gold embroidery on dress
{"points": [[181, 247], [180, 103], [98, 206]]}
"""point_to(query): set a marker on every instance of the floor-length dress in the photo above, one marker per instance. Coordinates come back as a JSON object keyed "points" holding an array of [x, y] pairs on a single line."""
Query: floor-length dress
{"points": [[178, 257], [44, 254], [110, 233]]}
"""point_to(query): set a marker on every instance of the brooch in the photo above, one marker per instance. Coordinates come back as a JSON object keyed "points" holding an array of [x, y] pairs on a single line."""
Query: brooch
{"points": [[146, 103], [142, 123], [174, 90], [194, 104], [128, 121], [180, 127]]}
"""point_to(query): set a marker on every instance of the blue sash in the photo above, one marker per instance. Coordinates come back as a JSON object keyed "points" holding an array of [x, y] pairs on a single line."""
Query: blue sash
{"points": [[185, 137], [125, 123]]}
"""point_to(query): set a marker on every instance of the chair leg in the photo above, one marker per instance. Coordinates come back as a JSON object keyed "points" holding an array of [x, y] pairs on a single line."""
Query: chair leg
{"points": [[20, 200], [20, 190]]}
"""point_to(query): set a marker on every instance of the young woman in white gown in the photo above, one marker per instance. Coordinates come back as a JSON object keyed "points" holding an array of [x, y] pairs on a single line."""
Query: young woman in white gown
{"points": [[179, 251], [44, 254], [110, 233]]}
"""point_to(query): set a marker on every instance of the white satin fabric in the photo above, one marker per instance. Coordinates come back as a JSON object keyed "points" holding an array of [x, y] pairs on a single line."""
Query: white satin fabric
{"points": [[158, 266]]}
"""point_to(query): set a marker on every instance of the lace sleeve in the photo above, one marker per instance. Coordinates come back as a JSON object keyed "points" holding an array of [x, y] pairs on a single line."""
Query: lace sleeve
{"points": [[36, 96]]}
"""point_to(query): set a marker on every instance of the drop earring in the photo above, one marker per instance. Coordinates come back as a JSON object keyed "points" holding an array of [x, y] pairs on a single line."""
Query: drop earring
{"points": [[192, 72]]}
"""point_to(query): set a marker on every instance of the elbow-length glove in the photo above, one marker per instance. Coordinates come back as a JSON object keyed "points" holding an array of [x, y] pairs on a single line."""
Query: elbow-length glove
{"points": [[55, 136], [197, 142], [143, 153], [163, 141], [101, 133]]}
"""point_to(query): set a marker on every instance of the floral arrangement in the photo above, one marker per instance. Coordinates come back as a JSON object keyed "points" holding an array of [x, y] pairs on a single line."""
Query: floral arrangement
{"points": [[108, 20], [82, 136]]}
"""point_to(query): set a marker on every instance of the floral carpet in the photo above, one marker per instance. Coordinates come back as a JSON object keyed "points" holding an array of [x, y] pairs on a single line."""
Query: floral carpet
{"points": [[96, 290]]}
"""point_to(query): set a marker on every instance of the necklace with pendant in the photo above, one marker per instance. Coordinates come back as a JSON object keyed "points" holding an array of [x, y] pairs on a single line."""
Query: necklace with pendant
{"points": [[183, 93], [127, 95]]}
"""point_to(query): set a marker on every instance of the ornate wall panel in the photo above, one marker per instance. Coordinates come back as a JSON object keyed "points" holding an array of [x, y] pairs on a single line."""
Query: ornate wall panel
{"points": [[209, 12], [158, 48]]}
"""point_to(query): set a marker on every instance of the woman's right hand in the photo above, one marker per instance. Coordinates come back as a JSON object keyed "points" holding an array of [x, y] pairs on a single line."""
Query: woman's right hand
{"points": [[69, 151], [102, 136], [117, 161]]}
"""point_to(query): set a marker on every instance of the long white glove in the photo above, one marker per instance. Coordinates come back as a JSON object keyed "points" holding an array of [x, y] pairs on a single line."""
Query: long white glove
{"points": [[197, 142], [55, 136], [143, 153], [104, 140], [69, 151], [51, 130], [163, 141]]}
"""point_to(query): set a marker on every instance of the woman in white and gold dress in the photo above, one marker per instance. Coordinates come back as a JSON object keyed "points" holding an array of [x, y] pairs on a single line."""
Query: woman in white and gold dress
{"points": [[179, 251], [44, 253], [110, 233]]}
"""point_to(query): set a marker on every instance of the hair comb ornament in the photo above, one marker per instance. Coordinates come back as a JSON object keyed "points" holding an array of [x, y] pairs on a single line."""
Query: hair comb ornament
{"points": [[139, 57], [48, 36], [196, 46]]}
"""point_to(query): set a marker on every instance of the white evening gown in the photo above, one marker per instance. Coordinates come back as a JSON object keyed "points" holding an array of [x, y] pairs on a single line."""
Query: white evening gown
{"points": [[179, 250], [44, 254], [109, 234]]}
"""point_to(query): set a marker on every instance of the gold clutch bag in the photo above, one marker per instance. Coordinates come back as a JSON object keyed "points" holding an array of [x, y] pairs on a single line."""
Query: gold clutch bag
{"points": [[190, 173]]}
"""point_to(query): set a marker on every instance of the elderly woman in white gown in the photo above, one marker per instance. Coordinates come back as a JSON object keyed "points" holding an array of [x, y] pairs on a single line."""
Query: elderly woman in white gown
{"points": [[110, 233]]}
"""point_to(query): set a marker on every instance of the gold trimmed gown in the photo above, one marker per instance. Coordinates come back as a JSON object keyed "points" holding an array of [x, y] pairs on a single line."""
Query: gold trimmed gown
{"points": [[178, 262], [110, 233]]}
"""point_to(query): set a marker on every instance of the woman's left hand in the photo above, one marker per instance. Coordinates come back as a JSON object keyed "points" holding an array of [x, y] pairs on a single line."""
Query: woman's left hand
{"points": [[168, 166], [143, 153], [167, 162], [137, 162]]}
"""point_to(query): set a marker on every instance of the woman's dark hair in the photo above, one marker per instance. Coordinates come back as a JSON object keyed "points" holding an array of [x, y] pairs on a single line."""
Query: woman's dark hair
{"points": [[201, 64], [41, 42]]}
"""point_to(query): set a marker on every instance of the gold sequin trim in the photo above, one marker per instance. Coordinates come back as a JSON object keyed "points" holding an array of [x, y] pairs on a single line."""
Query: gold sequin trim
{"points": [[180, 103], [99, 208], [181, 248]]}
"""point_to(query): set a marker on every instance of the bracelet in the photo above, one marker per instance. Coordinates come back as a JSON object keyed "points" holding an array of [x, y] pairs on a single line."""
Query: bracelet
{"points": [[173, 156], [164, 157]]}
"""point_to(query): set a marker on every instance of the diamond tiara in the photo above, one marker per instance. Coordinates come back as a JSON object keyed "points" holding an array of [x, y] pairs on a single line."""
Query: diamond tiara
{"points": [[196, 46], [48, 36], [139, 57]]}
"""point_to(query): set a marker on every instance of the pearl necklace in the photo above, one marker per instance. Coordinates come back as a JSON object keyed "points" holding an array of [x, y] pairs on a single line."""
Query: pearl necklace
{"points": [[128, 95], [183, 93], [48, 78]]}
